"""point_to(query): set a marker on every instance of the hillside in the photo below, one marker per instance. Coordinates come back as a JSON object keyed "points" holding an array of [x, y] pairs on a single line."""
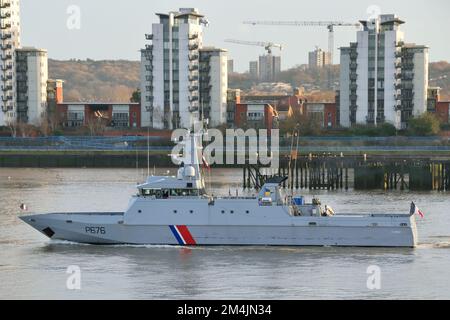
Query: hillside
{"points": [[440, 77], [89, 80], [114, 81]]}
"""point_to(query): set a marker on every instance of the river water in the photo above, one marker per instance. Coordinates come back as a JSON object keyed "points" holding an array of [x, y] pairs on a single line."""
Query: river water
{"points": [[32, 267]]}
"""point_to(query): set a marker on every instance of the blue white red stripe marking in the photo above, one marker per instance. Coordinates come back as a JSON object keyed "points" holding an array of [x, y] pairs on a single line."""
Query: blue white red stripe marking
{"points": [[183, 235]]}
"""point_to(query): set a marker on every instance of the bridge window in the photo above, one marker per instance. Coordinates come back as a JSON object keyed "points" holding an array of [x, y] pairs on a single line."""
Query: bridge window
{"points": [[166, 193]]}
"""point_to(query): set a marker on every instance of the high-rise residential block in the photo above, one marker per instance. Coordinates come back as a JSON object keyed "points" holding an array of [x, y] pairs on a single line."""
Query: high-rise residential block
{"points": [[253, 69], [319, 58], [269, 68], [382, 78], [170, 71], [230, 66], [9, 41], [213, 85], [31, 76]]}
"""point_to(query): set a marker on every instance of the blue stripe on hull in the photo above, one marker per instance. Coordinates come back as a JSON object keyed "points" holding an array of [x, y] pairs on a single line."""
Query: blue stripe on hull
{"points": [[177, 236]]}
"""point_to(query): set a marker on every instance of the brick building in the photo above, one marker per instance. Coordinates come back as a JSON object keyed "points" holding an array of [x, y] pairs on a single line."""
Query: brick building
{"points": [[254, 115], [114, 115]]}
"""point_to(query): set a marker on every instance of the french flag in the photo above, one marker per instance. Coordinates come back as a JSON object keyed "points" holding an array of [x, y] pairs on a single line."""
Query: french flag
{"points": [[415, 210]]}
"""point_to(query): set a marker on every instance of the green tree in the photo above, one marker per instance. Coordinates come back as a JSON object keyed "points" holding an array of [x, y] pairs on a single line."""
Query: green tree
{"points": [[425, 125], [136, 96]]}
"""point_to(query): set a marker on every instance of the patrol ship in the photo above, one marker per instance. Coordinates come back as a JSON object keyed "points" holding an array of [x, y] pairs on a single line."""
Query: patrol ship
{"points": [[178, 211]]}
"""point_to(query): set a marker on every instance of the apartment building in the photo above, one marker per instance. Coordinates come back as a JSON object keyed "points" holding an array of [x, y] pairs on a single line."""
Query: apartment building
{"points": [[253, 69], [382, 78], [31, 77], [170, 71], [9, 41], [319, 58], [269, 68], [213, 85]]}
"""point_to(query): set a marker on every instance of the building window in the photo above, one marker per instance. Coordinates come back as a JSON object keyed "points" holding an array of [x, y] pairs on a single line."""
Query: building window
{"points": [[120, 119]]}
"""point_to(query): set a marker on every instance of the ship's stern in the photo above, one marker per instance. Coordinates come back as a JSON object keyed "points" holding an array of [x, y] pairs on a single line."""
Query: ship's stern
{"points": [[414, 232]]}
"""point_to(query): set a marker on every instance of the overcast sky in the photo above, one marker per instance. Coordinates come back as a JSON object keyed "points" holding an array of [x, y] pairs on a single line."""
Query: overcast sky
{"points": [[111, 29]]}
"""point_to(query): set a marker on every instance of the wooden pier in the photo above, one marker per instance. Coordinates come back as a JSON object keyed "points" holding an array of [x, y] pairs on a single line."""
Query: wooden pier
{"points": [[333, 172]]}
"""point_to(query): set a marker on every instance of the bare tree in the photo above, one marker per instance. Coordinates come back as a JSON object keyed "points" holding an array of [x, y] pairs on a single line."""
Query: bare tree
{"points": [[96, 125], [12, 125]]}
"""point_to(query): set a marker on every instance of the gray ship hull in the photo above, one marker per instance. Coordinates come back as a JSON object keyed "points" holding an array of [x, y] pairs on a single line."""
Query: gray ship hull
{"points": [[363, 231]]}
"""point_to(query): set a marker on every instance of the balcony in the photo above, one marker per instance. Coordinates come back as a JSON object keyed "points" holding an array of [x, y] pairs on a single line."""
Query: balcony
{"points": [[7, 98], [193, 67], [7, 78], [193, 98], [5, 15], [7, 88], [7, 67], [398, 54], [193, 88], [6, 36], [353, 97], [398, 65], [193, 78], [6, 57], [193, 47], [5, 5], [353, 77], [193, 57], [5, 26], [353, 87], [193, 109], [193, 36], [148, 37], [149, 47], [6, 47], [353, 65]]}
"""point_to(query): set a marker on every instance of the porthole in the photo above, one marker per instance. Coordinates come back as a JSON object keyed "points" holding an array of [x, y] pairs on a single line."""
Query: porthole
{"points": [[232, 212], [175, 211], [191, 211], [223, 211], [139, 211], [247, 212]]}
